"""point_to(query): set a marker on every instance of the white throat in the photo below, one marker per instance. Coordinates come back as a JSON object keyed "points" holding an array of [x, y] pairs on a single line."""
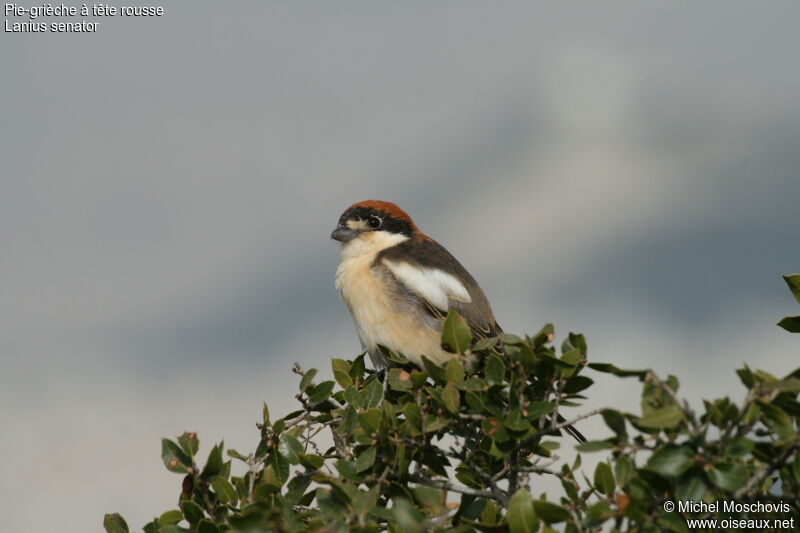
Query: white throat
{"points": [[369, 244]]}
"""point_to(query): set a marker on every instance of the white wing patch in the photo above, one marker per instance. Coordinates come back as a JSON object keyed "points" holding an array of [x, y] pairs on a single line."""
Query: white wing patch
{"points": [[435, 286]]}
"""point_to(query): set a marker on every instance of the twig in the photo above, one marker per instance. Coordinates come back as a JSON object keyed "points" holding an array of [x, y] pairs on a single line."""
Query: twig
{"points": [[439, 484], [498, 494], [562, 425], [683, 404], [752, 396], [557, 399], [253, 465], [766, 470], [575, 520], [338, 444], [513, 471], [576, 419]]}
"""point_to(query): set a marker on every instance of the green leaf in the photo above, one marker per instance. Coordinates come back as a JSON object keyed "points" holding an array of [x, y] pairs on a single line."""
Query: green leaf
{"points": [[456, 333], [225, 491], [495, 370], [556, 362], [349, 422], [320, 393], [576, 384], [793, 281], [571, 358], [207, 526], [594, 446], [474, 384], [623, 470], [352, 396], [280, 466], [310, 460], [172, 528], [357, 368], [366, 459], [418, 378], [796, 466], [746, 376], [575, 341], [170, 517], [486, 343], [408, 518], [236, 455], [307, 378], [269, 482], [775, 414], [663, 418], [537, 410], [114, 523], [175, 459], [192, 511], [672, 522], [550, 512], [453, 371], [451, 397], [598, 513], [341, 372], [340, 365], [671, 461], [214, 463], [739, 447], [400, 379], [544, 336], [434, 423], [526, 357], [372, 394], [413, 414], [435, 371], [615, 421], [347, 469], [727, 476], [431, 499], [521, 516], [791, 324], [296, 488], [604, 479], [516, 422], [608, 368], [691, 487], [370, 420], [265, 415], [786, 385], [189, 443], [290, 447]]}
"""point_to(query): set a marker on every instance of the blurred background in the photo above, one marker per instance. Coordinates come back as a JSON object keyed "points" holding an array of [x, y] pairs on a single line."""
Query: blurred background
{"points": [[169, 186]]}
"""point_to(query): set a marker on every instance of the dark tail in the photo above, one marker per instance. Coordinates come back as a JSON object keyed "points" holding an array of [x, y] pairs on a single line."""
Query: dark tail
{"points": [[577, 435]]}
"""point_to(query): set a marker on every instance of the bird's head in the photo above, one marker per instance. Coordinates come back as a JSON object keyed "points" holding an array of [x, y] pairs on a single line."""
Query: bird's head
{"points": [[375, 224]]}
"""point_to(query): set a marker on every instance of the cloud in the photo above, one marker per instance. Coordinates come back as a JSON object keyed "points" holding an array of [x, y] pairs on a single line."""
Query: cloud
{"points": [[166, 205]]}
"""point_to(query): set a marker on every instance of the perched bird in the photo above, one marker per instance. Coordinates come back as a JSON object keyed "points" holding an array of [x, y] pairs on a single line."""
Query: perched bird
{"points": [[399, 284]]}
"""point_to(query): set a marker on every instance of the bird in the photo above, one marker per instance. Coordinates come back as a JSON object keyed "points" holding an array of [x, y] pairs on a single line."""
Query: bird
{"points": [[399, 285]]}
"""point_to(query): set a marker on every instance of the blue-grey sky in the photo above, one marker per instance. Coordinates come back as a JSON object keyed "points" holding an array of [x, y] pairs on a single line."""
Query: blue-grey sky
{"points": [[168, 187]]}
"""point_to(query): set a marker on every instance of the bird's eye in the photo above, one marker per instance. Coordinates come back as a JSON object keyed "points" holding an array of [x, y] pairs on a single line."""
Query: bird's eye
{"points": [[374, 222]]}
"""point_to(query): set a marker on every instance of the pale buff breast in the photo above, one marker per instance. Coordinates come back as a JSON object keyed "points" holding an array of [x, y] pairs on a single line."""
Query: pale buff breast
{"points": [[379, 310]]}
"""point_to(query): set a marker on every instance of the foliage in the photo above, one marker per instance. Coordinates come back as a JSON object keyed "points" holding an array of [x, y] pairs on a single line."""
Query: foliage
{"points": [[792, 323], [460, 448]]}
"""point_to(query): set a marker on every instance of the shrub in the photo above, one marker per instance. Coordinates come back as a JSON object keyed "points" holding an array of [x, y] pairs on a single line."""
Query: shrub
{"points": [[459, 449]]}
